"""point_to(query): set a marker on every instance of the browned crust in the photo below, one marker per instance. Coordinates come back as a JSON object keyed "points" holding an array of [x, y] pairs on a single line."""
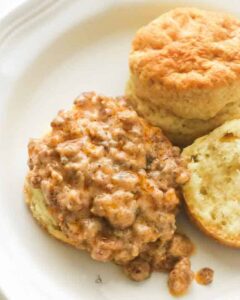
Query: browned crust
{"points": [[188, 48], [210, 231]]}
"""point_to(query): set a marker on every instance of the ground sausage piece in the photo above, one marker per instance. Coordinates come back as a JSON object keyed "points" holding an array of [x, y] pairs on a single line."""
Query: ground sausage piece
{"points": [[156, 253], [163, 257], [119, 208], [180, 246], [180, 277], [205, 276], [137, 270], [164, 263]]}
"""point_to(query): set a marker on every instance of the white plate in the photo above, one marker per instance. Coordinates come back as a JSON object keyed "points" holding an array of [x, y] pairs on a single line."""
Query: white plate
{"points": [[50, 51]]}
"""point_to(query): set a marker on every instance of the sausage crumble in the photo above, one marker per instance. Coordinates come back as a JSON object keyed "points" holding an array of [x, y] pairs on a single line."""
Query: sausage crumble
{"points": [[180, 277], [205, 276]]}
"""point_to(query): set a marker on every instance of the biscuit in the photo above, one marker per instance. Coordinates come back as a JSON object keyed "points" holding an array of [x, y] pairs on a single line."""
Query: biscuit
{"points": [[212, 194], [36, 203], [185, 72]]}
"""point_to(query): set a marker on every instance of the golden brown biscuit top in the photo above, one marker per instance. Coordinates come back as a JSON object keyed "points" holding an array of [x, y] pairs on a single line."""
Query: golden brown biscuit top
{"points": [[188, 47]]}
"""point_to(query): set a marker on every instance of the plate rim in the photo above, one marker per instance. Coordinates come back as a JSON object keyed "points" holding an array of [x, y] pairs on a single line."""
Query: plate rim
{"points": [[20, 15], [11, 24]]}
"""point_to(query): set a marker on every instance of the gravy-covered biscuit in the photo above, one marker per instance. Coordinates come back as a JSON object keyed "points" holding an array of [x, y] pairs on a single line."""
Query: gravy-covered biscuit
{"points": [[106, 181]]}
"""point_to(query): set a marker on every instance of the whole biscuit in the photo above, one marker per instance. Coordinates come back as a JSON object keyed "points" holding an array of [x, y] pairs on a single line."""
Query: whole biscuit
{"points": [[185, 70]]}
